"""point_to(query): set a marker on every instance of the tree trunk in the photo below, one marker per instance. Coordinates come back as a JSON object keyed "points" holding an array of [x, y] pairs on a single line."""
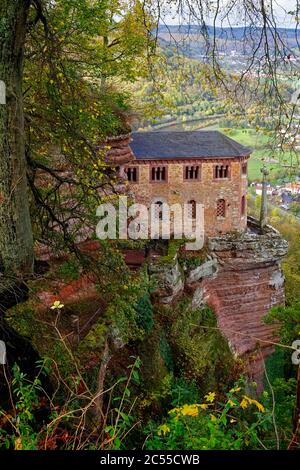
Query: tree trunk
{"points": [[106, 357], [16, 241]]}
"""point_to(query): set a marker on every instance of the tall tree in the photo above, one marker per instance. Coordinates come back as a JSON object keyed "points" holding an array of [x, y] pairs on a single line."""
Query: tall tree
{"points": [[16, 240], [66, 53]]}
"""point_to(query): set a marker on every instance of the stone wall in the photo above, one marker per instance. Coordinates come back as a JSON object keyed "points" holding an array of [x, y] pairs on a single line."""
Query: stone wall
{"points": [[206, 191]]}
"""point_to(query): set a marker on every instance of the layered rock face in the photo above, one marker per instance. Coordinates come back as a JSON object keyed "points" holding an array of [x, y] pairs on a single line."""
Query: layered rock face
{"points": [[248, 284], [168, 278], [118, 150], [241, 280]]}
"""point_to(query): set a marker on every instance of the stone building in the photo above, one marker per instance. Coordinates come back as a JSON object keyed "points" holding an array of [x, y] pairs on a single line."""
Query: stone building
{"points": [[204, 167]]}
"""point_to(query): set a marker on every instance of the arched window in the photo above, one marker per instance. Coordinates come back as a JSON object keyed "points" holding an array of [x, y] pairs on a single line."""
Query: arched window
{"points": [[158, 209], [243, 206], [191, 172], [244, 168], [221, 171], [132, 174], [191, 210], [221, 208], [158, 173]]}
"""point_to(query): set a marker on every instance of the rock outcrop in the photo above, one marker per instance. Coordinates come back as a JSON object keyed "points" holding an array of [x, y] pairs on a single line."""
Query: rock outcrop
{"points": [[118, 151], [168, 279], [241, 280], [249, 282], [205, 270]]}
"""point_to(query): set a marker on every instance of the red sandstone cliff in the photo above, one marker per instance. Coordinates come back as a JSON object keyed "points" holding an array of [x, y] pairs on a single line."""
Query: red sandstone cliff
{"points": [[248, 283], [241, 280]]}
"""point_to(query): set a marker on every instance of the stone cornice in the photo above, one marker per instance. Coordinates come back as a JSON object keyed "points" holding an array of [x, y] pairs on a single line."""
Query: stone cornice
{"points": [[189, 161]]}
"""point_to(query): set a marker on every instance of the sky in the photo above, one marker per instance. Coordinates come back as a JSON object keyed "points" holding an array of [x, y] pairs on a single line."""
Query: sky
{"points": [[280, 7]]}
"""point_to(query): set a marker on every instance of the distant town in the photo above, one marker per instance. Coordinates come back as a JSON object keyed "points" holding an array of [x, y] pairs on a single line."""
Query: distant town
{"points": [[283, 195]]}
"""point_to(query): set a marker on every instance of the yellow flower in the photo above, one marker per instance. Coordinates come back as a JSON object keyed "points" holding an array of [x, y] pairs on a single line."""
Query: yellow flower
{"points": [[213, 418], [231, 403], [250, 401], [244, 403], [210, 396], [204, 406], [18, 444], [257, 404], [190, 410], [57, 305], [163, 430], [234, 390]]}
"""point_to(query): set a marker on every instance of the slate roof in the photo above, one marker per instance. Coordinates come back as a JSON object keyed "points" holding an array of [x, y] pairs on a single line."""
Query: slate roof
{"points": [[191, 144]]}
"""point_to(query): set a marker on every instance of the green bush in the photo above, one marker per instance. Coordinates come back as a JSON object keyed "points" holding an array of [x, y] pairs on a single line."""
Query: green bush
{"points": [[184, 391], [144, 311], [200, 351], [235, 422], [166, 352], [70, 270]]}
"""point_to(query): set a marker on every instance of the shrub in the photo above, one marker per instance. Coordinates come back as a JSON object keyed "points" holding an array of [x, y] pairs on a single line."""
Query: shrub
{"points": [[238, 422], [144, 312]]}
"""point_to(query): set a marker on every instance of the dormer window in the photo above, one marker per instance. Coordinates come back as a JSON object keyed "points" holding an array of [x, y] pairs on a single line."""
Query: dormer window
{"points": [[132, 174], [158, 173], [221, 171], [191, 172]]}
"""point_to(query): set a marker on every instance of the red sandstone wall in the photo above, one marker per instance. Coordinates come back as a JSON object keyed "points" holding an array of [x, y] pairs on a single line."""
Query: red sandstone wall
{"points": [[206, 191], [247, 284], [240, 300], [118, 150]]}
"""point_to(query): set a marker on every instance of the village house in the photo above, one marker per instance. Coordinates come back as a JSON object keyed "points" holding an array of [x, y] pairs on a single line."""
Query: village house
{"points": [[293, 187], [204, 167], [259, 188]]}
